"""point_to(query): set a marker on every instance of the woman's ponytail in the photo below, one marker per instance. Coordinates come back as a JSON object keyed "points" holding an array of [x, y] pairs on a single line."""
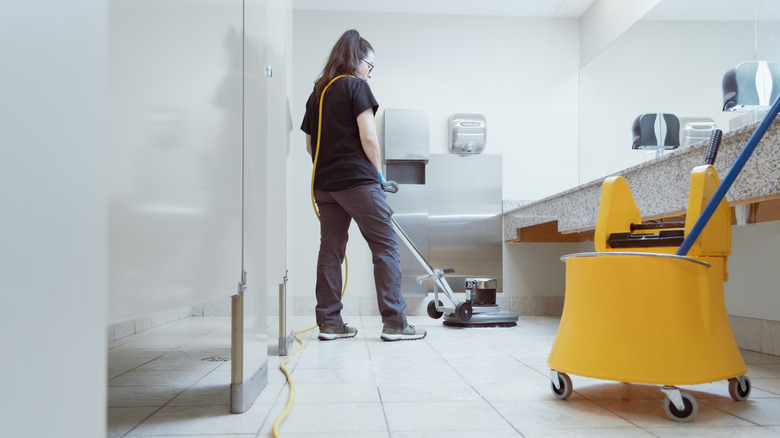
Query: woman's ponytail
{"points": [[344, 59]]}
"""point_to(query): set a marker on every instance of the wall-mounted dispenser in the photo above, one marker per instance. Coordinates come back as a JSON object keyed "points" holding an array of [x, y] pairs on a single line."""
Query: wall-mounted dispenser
{"points": [[468, 133], [406, 134], [751, 86], [656, 131], [695, 129]]}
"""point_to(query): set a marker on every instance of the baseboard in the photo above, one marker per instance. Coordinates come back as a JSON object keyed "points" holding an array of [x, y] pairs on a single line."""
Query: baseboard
{"points": [[761, 335], [123, 329]]}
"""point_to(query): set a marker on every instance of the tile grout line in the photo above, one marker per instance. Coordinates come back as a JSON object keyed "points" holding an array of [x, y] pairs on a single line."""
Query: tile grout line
{"points": [[179, 393], [384, 413], [481, 396]]}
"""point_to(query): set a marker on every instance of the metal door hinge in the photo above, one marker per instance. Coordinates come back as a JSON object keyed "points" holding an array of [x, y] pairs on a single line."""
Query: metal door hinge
{"points": [[242, 283]]}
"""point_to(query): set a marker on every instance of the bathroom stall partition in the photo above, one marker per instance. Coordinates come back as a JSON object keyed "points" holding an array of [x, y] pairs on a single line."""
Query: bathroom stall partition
{"points": [[193, 101]]}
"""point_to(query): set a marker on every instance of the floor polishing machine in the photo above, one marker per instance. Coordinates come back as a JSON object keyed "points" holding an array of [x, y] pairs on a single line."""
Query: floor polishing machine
{"points": [[479, 309]]}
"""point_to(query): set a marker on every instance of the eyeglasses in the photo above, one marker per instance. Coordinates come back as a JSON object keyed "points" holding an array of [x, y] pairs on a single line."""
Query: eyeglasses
{"points": [[370, 66]]}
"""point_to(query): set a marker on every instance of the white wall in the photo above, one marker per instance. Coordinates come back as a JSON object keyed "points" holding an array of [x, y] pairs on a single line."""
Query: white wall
{"points": [[52, 226], [752, 290], [605, 21], [520, 73]]}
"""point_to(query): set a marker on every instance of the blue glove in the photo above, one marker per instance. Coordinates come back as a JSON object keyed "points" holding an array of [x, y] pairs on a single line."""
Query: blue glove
{"points": [[381, 177]]}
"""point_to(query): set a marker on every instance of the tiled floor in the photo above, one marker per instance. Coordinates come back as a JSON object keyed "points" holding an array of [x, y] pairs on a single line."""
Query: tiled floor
{"points": [[173, 381]]}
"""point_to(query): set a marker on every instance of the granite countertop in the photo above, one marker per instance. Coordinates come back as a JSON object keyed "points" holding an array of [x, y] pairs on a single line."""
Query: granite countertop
{"points": [[659, 186]]}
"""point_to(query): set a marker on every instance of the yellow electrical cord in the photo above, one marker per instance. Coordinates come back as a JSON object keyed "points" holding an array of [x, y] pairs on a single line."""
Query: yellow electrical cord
{"points": [[346, 274]]}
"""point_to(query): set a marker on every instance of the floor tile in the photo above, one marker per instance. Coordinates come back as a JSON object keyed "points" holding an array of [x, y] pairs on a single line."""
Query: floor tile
{"points": [[356, 418], [763, 412], [343, 392], [122, 420], [274, 392], [329, 435], [691, 431], [517, 390], [190, 420], [651, 413], [348, 373], [489, 373], [477, 433], [174, 381], [232, 435], [527, 416], [593, 389], [136, 396], [428, 391], [203, 395], [763, 371], [202, 360], [128, 359], [444, 417], [769, 385], [612, 432]]}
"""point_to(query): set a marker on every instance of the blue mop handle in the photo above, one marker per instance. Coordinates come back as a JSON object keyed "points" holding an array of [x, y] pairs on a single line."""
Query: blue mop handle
{"points": [[725, 185]]}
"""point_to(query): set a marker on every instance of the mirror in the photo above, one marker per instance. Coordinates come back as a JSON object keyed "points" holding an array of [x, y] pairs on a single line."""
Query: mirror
{"points": [[671, 61]]}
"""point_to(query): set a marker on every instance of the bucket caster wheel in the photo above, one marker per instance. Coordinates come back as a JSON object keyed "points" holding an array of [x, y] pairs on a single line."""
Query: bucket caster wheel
{"points": [[464, 310], [560, 385], [739, 388], [432, 312], [688, 411]]}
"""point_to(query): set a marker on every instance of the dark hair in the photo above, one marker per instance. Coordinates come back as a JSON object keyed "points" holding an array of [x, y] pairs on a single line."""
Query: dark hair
{"points": [[345, 57]]}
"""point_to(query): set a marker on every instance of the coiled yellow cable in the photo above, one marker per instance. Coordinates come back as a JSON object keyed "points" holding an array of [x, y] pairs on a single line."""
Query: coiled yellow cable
{"points": [[346, 273]]}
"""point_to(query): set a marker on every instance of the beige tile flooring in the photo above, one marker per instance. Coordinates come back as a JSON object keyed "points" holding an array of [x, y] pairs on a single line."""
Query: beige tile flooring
{"points": [[173, 381]]}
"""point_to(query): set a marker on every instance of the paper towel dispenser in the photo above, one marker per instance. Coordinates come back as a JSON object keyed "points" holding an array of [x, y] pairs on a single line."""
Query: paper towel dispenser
{"points": [[406, 134], [656, 131], [468, 133], [751, 86]]}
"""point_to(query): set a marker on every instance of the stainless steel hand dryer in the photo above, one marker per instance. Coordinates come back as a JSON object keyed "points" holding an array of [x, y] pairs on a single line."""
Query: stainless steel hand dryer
{"points": [[468, 133]]}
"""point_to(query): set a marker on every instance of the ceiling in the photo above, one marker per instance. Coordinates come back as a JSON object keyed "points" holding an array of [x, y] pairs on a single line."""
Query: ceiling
{"points": [[703, 10], [512, 8], [690, 10]]}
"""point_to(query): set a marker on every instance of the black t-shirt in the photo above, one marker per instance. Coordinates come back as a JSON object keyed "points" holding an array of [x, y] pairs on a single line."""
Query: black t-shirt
{"points": [[341, 163]]}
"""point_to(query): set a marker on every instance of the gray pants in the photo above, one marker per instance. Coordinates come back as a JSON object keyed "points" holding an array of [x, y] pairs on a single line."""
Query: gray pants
{"points": [[367, 206]]}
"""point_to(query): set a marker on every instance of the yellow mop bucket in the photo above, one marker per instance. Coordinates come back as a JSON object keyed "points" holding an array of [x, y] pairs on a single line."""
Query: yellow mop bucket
{"points": [[648, 305], [645, 318]]}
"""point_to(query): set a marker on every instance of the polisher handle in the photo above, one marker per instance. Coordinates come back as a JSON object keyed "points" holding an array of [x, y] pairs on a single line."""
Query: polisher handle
{"points": [[390, 186]]}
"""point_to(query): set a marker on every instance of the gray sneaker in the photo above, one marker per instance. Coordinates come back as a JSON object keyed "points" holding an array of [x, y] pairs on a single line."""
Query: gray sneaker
{"points": [[331, 332], [407, 333]]}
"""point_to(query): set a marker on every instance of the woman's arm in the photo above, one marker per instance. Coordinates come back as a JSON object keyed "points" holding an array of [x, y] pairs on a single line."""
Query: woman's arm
{"points": [[369, 139], [308, 145]]}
